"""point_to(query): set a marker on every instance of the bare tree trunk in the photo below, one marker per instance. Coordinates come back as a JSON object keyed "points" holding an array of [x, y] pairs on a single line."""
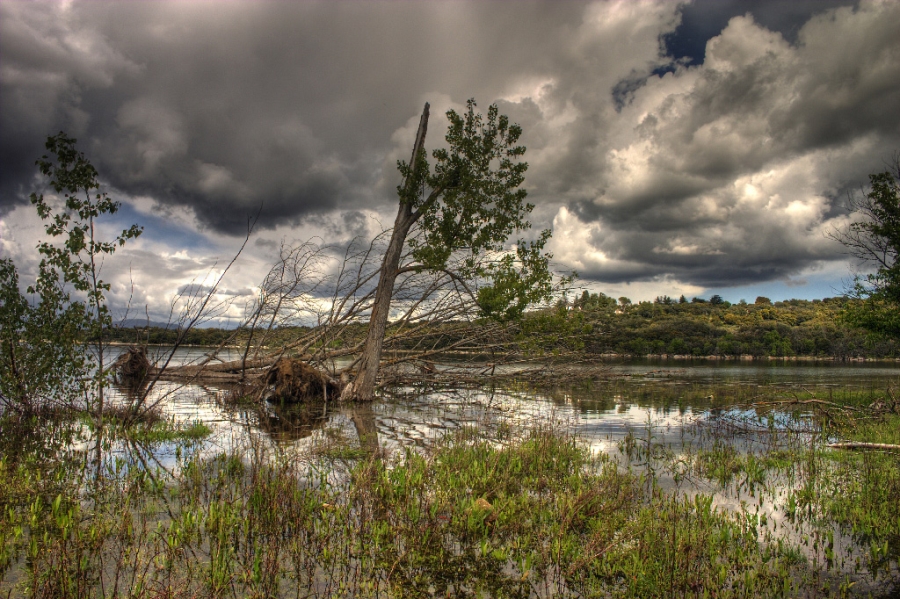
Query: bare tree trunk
{"points": [[363, 388]]}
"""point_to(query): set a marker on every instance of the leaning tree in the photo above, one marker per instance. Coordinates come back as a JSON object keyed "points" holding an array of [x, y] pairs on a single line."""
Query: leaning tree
{"points": [[445, 278], [468, 201]]}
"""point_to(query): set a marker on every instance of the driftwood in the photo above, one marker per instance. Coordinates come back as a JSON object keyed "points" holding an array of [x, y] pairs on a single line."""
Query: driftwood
{"points": [[861, 445], [236, 370]]}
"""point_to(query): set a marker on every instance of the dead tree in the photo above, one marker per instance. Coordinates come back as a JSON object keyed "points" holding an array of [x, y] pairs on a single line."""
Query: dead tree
{"points": [[442, 280]]}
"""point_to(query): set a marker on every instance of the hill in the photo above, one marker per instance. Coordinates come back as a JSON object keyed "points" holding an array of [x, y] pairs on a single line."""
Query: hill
{"points": [[813, 328]]}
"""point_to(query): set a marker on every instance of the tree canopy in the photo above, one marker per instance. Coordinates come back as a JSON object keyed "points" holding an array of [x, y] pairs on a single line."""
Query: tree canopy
{"points": [[456, 216], [874, 238]]}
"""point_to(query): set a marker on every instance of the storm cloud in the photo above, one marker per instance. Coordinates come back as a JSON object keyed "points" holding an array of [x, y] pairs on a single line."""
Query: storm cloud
{"points": [[708, 145]]}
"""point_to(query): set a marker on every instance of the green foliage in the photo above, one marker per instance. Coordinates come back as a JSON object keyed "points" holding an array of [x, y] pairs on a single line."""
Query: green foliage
{"points": [[875, 238], [783, 329], [553, 331], [76, 258], [43, 360], [477, 179], [516, 281], [875, 314], [471, 202], [593, 302]]}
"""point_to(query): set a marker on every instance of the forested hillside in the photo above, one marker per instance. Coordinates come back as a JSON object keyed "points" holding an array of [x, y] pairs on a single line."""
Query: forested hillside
{"points": [[700, 327]]}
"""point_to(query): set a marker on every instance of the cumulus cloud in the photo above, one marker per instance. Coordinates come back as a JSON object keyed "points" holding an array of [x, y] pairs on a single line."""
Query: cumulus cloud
{"points": [[722, 174], [656, 162]]}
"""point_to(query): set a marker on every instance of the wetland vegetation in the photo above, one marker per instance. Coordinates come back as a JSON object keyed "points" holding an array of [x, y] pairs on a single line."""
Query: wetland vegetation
{"points": [[651, 482], [476, 473]]}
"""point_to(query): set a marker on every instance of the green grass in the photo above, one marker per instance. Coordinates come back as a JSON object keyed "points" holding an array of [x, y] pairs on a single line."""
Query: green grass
{"points": [[564, 521], [168, 430], [534, 512], [517, 513], [151, 427]]}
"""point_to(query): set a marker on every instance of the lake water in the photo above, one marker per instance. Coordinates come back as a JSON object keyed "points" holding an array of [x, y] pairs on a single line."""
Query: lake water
{"points": [[629, 397], [646, 414]]}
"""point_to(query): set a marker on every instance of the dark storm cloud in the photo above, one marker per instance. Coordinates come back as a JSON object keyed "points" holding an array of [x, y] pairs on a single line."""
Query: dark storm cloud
{"points": [[734, 259], [709, 142], [223, 108]]}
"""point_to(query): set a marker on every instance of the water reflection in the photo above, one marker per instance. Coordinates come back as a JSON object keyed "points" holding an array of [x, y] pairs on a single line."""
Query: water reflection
{"points": [[640, 397], [647, 415], [290, 423]]}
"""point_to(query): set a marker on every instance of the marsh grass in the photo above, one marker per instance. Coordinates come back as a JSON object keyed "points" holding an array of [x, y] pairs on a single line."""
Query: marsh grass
{"points": [[523, 514], [840, 508], [514, 511], [860, 490]]}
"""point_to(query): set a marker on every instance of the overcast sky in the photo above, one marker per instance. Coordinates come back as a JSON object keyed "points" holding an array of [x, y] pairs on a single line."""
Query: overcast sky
{"points": [[674, 148]]}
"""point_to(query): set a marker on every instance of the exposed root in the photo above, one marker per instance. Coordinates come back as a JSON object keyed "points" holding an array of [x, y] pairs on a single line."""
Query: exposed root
{"points": [[295, 380], [132, 367]]}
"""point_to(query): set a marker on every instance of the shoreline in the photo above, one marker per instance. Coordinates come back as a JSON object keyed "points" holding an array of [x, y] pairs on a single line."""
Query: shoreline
{"points": [[616, 356]]}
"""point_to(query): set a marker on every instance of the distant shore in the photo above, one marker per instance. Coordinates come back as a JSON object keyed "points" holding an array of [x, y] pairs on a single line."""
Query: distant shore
{"points": [[615, 356]]}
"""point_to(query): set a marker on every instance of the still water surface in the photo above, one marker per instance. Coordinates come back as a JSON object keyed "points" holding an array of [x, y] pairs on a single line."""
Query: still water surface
{"points": [[664, 407], [637, 397]]}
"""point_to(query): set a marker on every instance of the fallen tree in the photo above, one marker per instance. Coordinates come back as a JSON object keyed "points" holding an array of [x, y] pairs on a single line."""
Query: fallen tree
{"points": [[442, 281], [463, 353]]}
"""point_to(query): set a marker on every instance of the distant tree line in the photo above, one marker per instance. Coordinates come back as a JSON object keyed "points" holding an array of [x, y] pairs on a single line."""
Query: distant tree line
{"points": [[155, 335], [598, 324]]}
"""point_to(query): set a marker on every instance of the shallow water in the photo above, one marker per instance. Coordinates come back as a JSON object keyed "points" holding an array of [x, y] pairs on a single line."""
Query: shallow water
{"points": [[646, 414], [638, 397]]}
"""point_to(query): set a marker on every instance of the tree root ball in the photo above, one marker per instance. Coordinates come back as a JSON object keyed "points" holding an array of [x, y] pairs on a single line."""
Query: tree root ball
{"points": [[132, 366], [294, 380]]}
